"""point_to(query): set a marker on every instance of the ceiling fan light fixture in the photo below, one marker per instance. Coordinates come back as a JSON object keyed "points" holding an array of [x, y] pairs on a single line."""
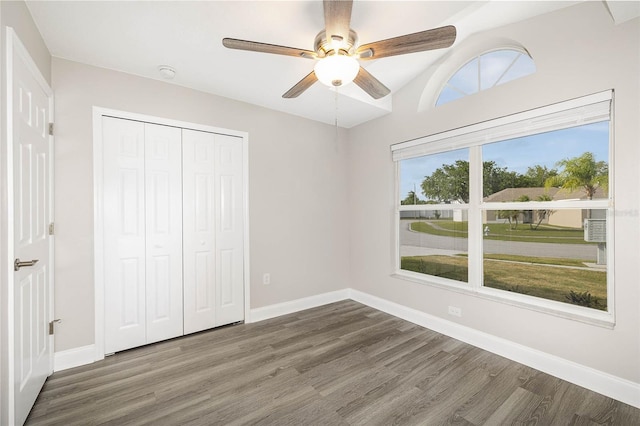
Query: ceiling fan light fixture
{"points": [[337, 70]]}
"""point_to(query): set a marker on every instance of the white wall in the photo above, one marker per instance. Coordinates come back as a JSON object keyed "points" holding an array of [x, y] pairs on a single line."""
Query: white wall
{"points": [[297, 189], [17, 16], [577, 51]]}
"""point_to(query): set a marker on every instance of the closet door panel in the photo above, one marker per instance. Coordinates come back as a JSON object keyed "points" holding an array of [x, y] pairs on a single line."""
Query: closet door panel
{"points": [[124, 236], [229, 230], [163, 214], [198, 162]]}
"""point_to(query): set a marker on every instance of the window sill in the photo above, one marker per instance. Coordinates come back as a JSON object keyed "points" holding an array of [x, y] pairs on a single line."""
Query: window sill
{"points": [[550, 307]]}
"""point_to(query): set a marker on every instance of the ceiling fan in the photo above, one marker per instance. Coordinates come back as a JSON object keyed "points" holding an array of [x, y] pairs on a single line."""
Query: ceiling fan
{"points": [[337, 51]]}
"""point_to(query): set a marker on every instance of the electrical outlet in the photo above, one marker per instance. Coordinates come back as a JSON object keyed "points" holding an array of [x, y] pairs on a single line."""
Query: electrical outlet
{"points": [[455, 311], [266, 278]]}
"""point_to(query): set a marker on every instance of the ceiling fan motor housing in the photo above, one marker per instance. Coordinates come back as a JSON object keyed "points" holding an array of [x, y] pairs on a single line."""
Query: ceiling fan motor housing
{"points": [[325, 46]]}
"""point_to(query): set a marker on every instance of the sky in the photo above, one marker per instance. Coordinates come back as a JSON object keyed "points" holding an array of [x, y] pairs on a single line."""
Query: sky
{"points": [[544, 149]]}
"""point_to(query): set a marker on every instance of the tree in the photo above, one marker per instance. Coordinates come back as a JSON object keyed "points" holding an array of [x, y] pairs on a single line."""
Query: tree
{"points": [[543, 214], [411, 199], [495, 179], [581, 172], [512, 216], [448, 183], [537, 175]]}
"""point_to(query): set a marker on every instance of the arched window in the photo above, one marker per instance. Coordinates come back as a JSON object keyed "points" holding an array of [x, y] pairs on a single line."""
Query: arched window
{"points": [[486, 71]]}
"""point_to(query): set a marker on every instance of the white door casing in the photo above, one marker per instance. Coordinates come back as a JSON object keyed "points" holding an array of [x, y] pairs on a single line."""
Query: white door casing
{"points": [[30, 183]]}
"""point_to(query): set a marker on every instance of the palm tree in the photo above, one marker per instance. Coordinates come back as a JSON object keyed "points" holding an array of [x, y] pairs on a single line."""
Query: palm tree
{"points": [[410, 199], [543, 214], [511, 216], [581, 172]]}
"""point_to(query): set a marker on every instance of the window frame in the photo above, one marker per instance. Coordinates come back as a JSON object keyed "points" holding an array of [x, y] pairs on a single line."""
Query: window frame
{"points": [[588, 109], [515, 48]]}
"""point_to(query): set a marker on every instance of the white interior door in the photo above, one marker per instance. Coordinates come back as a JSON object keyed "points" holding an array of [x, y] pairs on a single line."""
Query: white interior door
{"points": [[212, 230], [163, 207], [199, 235], [124, 236], [32, 283], [143, 233], [229, 230]]}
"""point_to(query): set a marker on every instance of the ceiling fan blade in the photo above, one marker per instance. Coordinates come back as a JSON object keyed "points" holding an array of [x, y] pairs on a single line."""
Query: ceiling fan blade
{"points": [[301, 86], [371, 85], [255, 46], [436, 38], [337, 18]]}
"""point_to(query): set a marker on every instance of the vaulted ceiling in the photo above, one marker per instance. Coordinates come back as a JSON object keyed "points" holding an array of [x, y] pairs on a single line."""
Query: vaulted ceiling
{"points": [[136, 37]]}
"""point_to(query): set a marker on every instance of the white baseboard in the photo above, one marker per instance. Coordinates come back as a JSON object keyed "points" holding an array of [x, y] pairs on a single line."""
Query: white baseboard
{"points": [[606, 384], [272, 311], [75, 357]]}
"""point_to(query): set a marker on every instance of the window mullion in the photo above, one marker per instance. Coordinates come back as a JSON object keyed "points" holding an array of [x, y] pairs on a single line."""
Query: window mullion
{"points": [[475, 217], [507, 70]]}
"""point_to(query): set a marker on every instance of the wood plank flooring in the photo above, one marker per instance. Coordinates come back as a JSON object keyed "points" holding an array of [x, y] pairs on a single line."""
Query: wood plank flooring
{"points": [[339, 364]]}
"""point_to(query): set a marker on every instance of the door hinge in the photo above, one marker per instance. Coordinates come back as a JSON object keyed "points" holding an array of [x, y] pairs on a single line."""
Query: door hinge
{"points": [[51, 228], [52, 324], [50, 129]]}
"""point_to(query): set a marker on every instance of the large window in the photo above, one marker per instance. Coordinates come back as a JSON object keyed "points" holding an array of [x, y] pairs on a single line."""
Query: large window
{"points": [[518, 209]]}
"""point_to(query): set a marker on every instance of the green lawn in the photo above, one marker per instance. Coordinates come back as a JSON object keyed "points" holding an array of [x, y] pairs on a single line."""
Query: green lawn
{"points": [[532, 259], [503, 232], [534, 280]]}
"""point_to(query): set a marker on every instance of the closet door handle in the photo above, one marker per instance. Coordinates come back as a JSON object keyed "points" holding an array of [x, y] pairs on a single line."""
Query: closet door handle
{"points": [[22, 263]]}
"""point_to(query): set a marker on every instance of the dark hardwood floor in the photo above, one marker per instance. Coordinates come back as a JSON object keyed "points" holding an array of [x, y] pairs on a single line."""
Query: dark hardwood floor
{"points": [[339, 364]]}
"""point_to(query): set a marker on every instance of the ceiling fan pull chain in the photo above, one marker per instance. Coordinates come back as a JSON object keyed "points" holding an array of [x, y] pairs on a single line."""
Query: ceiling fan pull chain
{"points": [[336, 112]]}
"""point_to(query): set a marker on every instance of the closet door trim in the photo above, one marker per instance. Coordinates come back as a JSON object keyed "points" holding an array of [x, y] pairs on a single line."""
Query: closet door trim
{"points": [[98, 219]]}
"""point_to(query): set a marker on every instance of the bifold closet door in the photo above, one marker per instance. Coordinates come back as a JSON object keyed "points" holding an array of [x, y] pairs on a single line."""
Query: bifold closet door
{"points": [[142, 233], [163, 217], [212, 230]]}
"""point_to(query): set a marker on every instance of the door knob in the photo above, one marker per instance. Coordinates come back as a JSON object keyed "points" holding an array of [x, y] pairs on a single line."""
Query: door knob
{"points": [[22, 263]]}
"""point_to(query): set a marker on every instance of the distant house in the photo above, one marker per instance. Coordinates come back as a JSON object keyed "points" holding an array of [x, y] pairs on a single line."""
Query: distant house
{"points": [[573, 218]]}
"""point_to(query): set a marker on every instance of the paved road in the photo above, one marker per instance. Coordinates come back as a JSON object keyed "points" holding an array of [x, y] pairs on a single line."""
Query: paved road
{"points": [[411, 245]]}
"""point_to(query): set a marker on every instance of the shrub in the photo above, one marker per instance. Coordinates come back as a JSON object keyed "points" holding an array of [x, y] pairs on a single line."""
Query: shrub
{"points": [[516, 289], [584, 299]]}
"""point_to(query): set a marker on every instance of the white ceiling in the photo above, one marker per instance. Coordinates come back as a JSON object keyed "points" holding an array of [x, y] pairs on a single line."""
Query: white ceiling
{"points": [[136, 37]]}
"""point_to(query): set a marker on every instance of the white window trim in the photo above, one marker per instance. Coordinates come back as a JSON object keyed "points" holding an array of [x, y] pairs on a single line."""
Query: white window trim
{"points": [[580, 111]]}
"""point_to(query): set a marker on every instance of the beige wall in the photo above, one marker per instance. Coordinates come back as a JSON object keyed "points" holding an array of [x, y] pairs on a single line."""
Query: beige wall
{"points": [[577, 51], [15, 15], [297, 190], [568, 218]]}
